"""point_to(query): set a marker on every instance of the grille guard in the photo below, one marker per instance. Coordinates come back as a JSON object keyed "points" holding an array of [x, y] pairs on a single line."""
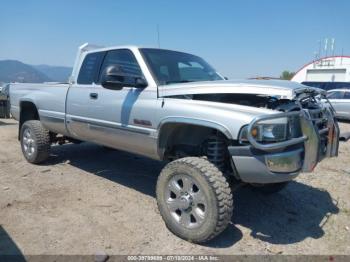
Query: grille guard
{"points": [[311, 135]]}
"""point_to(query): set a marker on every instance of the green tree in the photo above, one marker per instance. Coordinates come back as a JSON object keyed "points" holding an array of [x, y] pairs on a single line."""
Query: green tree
{"points": [[287, 75]]}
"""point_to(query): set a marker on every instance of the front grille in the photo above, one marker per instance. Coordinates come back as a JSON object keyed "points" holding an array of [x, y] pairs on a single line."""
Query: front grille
{"points": [[319, 118]]}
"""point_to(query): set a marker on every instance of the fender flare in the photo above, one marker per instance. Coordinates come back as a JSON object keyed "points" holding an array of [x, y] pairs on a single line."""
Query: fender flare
{"points": [[191, 121]]}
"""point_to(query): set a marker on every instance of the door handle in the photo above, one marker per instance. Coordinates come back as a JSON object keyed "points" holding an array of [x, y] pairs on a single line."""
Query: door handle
{"points": [[93, 95]]}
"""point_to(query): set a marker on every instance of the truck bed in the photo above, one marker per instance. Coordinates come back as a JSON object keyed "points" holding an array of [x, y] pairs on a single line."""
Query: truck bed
{"points": [[49, 98]]}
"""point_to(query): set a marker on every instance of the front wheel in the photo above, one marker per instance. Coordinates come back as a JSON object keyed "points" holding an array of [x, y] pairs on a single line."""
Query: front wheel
{"points": [[194, 199], [35, 142]]}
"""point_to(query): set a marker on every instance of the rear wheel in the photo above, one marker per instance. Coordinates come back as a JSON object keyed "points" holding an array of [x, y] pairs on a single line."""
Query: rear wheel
{"points": [[194, 199], [35, 141]]}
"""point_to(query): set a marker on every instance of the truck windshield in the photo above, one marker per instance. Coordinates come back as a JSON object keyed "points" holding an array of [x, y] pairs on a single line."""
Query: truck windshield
{"points": [[169, 67]]}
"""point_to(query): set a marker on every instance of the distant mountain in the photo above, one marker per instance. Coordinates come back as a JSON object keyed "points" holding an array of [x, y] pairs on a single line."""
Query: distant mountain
{"points": [[16, 71], [56, 73]]}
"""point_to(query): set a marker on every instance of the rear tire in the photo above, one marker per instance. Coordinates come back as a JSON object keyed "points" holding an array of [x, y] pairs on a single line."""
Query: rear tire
{"points": [[35, 142], [194, 199]]}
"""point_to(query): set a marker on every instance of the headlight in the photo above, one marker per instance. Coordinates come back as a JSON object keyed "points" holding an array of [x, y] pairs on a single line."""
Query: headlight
{"points": [[274, 132], [266, 132]]}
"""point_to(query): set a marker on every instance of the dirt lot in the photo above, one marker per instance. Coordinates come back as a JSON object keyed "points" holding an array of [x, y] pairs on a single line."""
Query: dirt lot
{"points": [[88, 199]]}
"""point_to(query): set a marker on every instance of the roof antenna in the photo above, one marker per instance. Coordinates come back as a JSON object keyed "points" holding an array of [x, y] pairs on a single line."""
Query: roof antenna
{"points": [[158, 35]]}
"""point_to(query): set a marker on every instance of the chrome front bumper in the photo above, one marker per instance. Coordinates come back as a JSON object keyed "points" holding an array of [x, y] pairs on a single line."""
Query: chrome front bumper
{"points": [[255, 166], [283, 161]]}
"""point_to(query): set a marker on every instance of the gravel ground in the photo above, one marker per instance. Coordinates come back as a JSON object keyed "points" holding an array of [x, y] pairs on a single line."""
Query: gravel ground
{"points": [[88, 199]]}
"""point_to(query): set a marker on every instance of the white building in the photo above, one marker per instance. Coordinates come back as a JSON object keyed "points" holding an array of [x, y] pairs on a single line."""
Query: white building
{"points": [[328, 69]]}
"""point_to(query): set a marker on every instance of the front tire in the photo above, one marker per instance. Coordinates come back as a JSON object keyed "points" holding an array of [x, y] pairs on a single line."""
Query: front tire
{"points": [[194, 199], [35, 142]]}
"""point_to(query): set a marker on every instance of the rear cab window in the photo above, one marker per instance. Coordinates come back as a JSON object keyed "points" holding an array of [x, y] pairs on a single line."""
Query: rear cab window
{"points": [[90, 68]]}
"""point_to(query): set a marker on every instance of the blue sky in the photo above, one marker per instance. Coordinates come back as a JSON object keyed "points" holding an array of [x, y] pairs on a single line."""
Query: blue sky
{"points": [[239, 38]]}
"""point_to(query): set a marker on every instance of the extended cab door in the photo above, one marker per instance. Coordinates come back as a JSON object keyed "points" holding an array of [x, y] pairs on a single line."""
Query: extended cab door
{"points": [[123, 119]]}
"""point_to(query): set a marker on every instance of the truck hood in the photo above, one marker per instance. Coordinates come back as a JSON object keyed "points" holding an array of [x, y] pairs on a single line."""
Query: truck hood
{"points": [[281, 88]]}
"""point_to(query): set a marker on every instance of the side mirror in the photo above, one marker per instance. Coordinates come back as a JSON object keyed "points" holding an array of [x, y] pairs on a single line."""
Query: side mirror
{"points": [[114, 77]]}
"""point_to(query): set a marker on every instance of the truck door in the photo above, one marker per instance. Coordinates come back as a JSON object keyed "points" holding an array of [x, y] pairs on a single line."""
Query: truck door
{"points": [[80, 97], [123, 119]]}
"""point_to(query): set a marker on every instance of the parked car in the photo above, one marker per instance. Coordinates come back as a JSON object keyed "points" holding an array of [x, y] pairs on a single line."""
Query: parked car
{"points": [[340, 100], [327, 85], [2, 94], [173, 106], [5, 102]]}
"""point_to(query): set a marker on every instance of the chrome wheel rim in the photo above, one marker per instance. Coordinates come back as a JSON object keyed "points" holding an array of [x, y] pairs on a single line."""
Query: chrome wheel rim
{"points": [[186, 201], [28, 142]]}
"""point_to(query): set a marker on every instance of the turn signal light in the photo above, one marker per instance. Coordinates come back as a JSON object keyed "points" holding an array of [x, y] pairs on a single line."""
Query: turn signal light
{"points": [[255, 132]]}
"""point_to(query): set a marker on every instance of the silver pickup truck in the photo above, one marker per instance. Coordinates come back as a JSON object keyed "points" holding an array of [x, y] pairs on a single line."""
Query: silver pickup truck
{"points": [[173, 106]]}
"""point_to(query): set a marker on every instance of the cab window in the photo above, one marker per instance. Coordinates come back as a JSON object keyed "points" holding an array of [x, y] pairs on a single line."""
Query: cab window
{"points": [[126, 60], [90, 68]]}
